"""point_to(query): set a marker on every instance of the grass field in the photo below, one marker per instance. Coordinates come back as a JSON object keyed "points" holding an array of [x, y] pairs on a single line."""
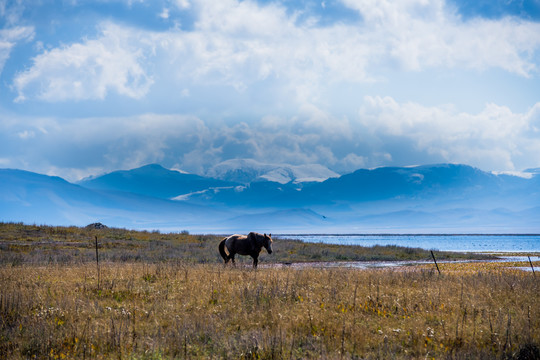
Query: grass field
{"points": [[31, 244], [161, 296]]}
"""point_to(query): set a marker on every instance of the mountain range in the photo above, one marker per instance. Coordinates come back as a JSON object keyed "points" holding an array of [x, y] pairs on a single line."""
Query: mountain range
{"points": [[243, 195]]}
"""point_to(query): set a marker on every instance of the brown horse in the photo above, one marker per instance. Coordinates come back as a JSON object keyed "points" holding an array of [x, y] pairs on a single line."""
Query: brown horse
{"points": [[251, 245]]}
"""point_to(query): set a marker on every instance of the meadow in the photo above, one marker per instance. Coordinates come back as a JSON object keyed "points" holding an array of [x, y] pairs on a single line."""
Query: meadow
{"points": [[165, 296]]}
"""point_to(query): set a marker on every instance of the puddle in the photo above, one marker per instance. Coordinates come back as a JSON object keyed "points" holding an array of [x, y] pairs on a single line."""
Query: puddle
{"points": [[394, 264]]}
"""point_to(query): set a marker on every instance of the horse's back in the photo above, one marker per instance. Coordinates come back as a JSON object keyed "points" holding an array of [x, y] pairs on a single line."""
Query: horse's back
{"points": [[233, 239], [237, 244]]}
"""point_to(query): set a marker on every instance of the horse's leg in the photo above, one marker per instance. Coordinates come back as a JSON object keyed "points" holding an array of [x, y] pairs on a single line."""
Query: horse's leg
{"points": [[232, 258], [255, 261]]}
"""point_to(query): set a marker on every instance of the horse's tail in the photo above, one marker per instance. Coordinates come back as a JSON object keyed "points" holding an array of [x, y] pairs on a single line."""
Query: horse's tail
{"points": [[222, 250]]}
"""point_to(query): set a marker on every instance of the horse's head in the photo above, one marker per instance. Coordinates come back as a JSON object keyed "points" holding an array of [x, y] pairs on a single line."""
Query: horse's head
{"points": [[268, 243]]}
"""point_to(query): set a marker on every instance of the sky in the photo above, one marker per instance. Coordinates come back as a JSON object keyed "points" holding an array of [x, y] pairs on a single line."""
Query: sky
{"points": [[93, 86]]}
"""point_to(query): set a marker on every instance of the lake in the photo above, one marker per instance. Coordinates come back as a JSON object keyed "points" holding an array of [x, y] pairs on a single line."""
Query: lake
{"points": [[461, 243]]}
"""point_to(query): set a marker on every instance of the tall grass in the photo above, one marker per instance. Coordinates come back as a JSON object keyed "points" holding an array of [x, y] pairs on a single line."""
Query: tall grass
{"points": [[165, 296], [177, 310]]}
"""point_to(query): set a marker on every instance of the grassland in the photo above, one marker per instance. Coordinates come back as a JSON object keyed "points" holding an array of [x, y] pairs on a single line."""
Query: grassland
{"points": [[31, 244], [161, 296]]}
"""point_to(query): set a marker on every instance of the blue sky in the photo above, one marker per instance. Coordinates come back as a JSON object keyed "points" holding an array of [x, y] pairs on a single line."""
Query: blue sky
{"points": [[94, 86]]}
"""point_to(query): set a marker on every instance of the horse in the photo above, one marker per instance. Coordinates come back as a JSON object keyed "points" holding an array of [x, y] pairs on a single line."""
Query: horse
{"points": [[251, 245]]}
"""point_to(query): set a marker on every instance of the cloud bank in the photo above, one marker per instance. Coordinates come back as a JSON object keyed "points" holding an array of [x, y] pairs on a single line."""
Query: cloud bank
{"points": [[385, 132], [239, 44], [202, 82]]}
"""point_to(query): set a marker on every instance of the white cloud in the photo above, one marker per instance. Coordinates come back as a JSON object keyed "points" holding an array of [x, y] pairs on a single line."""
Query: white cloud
{"points": [[9, 38], [276, 60], [89, 70], [164, 14], [182, 4], [421, 34], [494, 139], [521, 174], [241, 44], [11, 12], [185, 93], [352, 161], [25, 134], [81, 145]]}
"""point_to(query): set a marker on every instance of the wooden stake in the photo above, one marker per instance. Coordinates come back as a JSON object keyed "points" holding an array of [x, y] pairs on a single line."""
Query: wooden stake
{"points": [[97, 263], [532, 267], [433, 256]]}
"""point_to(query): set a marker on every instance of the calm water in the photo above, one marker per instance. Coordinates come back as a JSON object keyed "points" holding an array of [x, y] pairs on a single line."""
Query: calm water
{"points": [[467, 243]]}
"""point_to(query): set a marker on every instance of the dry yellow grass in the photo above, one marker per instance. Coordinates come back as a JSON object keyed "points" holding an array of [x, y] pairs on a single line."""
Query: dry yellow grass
{"points": [[166, 296], [178, 310]]}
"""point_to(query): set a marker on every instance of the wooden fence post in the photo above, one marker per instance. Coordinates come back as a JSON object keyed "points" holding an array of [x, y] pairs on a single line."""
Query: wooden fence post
{"points": [[433, 256], [97, 263], [532, 267]]}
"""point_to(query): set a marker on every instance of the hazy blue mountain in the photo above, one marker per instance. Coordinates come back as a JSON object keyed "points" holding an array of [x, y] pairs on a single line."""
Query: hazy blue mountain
{"points": [[443, 196], [35, 198], [435, 198], [405, 182], [154, 180], [456, 183]]}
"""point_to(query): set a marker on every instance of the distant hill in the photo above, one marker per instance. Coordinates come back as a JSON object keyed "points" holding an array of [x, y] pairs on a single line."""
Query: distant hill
{"points": [[33, 198], [419, 182], [442, 197], [444, 182], [154, 180]]}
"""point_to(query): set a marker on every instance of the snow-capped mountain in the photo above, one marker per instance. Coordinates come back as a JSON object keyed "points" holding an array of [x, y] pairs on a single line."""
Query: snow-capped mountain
{"points": [[247, 171], [456, 198]]}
